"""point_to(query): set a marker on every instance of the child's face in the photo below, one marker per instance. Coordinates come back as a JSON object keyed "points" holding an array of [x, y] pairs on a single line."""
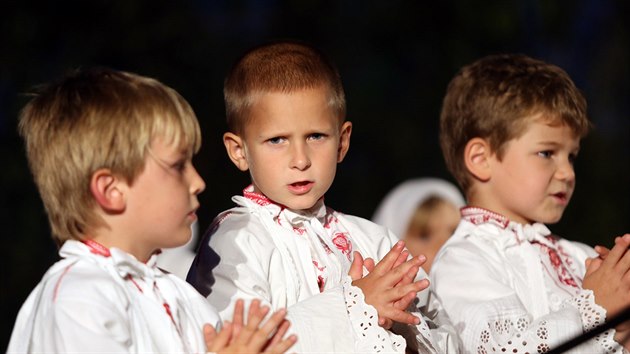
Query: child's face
{"points": [[292, 145], [162, 200], [535, 180], [440, 225]]}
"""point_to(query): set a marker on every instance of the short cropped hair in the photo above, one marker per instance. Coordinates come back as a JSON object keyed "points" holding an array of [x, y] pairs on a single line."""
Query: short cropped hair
{"points": [[492, 99], [92, 119], [279, 67]]}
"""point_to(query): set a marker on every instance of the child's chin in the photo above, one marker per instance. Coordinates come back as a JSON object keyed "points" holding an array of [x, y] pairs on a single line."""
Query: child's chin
{"points": [[301, 205]]}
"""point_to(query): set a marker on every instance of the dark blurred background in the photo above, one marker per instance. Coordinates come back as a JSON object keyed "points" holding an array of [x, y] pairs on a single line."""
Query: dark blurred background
{"points": [[395, 57]]}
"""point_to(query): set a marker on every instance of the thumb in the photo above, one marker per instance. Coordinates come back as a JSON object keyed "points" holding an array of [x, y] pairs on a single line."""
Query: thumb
{"points": [[356, 268]]}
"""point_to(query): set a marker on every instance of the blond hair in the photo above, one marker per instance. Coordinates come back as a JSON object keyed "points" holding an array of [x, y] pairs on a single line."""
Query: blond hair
{"points": [[279, 67], [92, 119], [492, 99]]}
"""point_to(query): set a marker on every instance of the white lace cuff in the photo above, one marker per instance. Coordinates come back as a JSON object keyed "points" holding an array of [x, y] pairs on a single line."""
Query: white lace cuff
{"points": [[593, 316], [364, 321]]}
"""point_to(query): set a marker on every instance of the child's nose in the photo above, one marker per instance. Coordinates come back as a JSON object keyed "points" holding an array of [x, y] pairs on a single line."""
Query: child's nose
{"points": [[300, 158], [197, 185], [566, 172]]}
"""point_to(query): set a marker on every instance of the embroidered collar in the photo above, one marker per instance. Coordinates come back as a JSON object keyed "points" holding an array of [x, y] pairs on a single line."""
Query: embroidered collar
{"points": [[123, 263], [294, 217], [535, 232], [479, 216]]}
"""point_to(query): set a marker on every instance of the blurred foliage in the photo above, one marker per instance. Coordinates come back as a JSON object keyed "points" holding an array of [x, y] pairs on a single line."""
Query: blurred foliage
{"points": [[396, 58]]}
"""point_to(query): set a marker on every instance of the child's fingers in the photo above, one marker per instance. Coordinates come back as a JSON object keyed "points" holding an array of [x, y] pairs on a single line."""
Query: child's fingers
{"points": [[396, 275], [400, 316], [261, 335], [237, 317], [390, 258], [282, 346], [356, 268], [623, 265], [405, 301], [602, 251], [255, 315], [280, 332], [222, 339], [399, 292], [368, 263], [592, 265], [209, 335], [615, 254], [385, 322], [402, 258], [411, 274]]}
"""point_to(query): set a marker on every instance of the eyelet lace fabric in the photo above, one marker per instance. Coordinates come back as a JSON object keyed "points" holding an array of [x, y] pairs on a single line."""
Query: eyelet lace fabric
{"points": [[519, 335], [593, 316], [372, 337]]}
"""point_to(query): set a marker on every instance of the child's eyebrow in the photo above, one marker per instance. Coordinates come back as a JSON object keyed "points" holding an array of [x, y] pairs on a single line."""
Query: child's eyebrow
{"points": [[555, 144]]}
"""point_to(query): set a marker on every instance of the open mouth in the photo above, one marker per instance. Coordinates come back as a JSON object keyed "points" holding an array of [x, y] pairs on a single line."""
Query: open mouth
{"points": [[301, 187], [561, 197]]}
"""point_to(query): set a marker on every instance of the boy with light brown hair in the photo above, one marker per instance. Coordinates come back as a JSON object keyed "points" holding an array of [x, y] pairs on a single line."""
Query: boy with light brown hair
{"points": [[111, 155], [286, 115], [510, 132]]}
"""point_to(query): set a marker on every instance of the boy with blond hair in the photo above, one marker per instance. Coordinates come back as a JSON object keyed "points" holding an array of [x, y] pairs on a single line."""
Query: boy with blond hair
{"points": [[510, 132], [286, 112], [111, 155]]}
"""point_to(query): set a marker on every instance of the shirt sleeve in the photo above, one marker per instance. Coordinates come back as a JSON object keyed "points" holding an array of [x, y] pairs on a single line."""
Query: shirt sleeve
{"points": [[80, 326], [491, 317]]}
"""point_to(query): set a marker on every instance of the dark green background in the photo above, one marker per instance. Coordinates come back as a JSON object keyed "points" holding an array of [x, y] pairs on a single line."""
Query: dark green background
{"points": [[395, 57]]}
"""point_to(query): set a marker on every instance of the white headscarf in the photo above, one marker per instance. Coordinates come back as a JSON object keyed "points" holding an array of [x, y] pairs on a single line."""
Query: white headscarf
{"points": [[398, 206]]}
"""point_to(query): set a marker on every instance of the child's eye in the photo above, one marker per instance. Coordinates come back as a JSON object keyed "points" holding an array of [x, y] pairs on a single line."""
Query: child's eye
{"points": [[546, 154], [572, 158], [317, 136], [179, 166], [275, 141]]}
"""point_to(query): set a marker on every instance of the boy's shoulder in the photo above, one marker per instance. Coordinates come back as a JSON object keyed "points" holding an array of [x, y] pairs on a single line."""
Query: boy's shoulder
{"points": [[79, 279]]}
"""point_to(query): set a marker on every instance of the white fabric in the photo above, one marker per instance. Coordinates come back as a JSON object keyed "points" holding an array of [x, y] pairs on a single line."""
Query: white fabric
{"points": [[264, 251], [88, 302], [515, 288], [399, 205]]}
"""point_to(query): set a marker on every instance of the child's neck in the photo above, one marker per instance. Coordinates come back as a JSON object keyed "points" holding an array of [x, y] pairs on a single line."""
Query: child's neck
{"points": [[126, 244]]}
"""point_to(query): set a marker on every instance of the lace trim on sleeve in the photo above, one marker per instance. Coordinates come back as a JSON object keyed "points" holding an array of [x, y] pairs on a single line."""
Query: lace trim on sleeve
{"points": [[370, 337], [593, 316]]}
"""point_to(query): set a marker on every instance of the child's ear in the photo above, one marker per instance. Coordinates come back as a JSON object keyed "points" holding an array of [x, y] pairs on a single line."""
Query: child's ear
{"points": [[477, 155], [108, 191], [344, 140], [236, 150]]}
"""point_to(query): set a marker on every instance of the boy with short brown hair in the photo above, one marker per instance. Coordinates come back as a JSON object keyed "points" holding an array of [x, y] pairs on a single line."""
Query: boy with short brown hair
{"points": [[510, 132], [286, 113]]}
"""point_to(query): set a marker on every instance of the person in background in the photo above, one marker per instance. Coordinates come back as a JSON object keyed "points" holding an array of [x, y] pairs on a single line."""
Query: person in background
{"points": [[423, 212]]}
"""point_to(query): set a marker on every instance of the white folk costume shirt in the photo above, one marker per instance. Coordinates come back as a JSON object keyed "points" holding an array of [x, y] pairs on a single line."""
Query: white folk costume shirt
{"points": [[300, 261], [104, 300], [513, 288]]}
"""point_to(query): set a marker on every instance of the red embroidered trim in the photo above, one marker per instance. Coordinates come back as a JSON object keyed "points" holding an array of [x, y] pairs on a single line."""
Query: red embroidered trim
{"points": [[97, 248], [255, 197], [558, 259], [130, 278], [59, 282], [479, 216]]}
